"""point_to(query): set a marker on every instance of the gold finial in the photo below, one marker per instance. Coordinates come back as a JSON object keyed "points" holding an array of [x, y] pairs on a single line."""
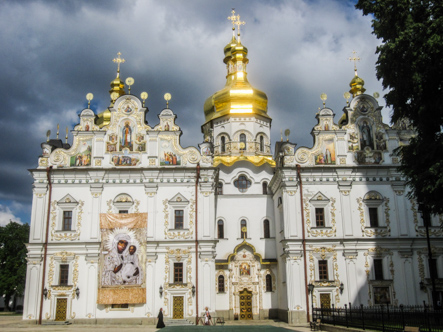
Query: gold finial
{"points": [[58, 129], [354, 58], [376, 95], [66, 137], [232, 18], [48, 133], [244, 229], [239, 23], [167, 97], [118, 60], [89, 97], [144, 96], [287, 132], [323, 97], [129, 81], [281, 135], [114, 96], [347, 95]]}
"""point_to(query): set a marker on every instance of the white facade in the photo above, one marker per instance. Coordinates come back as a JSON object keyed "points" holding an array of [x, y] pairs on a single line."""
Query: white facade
{"points": [[123, 166]]}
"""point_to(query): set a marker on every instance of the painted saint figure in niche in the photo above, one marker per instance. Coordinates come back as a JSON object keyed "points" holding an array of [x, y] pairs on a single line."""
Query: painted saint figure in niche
{"points": [[244, 269], [128, 109], [167, 126], [126, 140], [366, 136]]}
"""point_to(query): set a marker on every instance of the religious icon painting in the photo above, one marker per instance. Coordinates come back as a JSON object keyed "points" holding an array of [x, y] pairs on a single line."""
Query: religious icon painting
{"points": [[168, 155], [127, 109], [125, 159], [122, 258], [244, 269], [327, 154], [126, 137], [381, 295], [83, 156]]}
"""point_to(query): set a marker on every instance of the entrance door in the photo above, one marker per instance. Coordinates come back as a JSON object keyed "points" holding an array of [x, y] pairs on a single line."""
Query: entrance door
{"points": [[245, 304], [177, 303], [325, 300], [60, 309]]}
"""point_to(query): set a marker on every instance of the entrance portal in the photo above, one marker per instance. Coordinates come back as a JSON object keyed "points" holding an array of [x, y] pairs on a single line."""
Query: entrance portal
{"points": [[245, 304], [60, 309], [325, 300], [177, 304]]}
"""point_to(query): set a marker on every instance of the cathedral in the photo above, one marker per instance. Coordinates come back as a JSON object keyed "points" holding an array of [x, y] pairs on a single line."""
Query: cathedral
{"points": [[125, 221]]}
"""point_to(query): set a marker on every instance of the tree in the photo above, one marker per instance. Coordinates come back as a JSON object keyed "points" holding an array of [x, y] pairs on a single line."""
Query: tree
{"points": [[410, 64], [13, 251]]}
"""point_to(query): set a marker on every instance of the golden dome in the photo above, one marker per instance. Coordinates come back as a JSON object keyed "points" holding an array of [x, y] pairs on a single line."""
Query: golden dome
{"points": [[238, 96], [118, 86], [356, 85], [103, 118]]}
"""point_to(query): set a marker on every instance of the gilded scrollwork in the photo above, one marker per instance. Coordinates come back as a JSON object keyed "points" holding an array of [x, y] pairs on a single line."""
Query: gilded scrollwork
{"points": [[380, 252], [421, 231], [172, 234], [381, 231], [58, 236], [324, 253], [320, 232]]}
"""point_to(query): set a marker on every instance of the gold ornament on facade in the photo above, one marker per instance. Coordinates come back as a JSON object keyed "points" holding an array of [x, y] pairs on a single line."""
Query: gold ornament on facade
{"points": [[58, 236], [420, 230], [381, 231]]}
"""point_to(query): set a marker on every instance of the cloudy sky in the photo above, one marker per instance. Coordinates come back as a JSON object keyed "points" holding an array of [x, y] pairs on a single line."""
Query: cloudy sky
{"points": [[54, 52]]}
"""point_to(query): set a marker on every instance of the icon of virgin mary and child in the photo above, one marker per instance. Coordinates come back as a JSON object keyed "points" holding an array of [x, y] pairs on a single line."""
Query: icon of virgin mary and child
{"points": [[121, 264]]}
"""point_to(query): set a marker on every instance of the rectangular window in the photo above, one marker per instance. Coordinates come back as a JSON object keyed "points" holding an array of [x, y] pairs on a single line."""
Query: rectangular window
{"points": [[67, 220], [320, 217], [120, 306], [64, 274], [123, 211], [373, 217], [323, 270], [178, 219], [433, 268], [378, 269], [178, 272]]}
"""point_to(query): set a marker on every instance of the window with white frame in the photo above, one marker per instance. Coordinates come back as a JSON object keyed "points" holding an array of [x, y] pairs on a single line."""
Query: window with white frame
{"points": [[242, 183], [123, 203], [178, 216], [374, 209], [320, 210], [67, 206]]}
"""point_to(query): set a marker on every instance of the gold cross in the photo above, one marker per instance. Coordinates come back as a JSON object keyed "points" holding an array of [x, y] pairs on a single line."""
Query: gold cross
{"points": [[118, 60], [238, 23], [232, 18], [355, 59]]}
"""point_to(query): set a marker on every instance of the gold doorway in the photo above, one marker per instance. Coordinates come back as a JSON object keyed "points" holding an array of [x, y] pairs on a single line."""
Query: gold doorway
{"points": [[245, 304], [325, 300], [60, 309], [177, 303]]}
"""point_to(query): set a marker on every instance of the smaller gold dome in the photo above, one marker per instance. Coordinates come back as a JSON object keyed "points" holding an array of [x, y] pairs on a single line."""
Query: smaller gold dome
{"points": [[356, 85]]}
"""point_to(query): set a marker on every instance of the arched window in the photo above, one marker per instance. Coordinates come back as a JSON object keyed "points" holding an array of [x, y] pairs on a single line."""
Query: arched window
{"points": [[220, 229], [223, 144], [220, 188], [268, 283], [242, 183], [242, 140], [262, 143], [266, 230], [265, 188], [221, 284], [242, 233]]}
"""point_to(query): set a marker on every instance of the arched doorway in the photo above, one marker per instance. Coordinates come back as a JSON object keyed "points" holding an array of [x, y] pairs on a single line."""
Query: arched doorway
{"points": [[245, 304]]}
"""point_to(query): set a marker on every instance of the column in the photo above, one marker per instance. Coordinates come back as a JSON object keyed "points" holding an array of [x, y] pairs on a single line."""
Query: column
{"points": [[151, 192]]}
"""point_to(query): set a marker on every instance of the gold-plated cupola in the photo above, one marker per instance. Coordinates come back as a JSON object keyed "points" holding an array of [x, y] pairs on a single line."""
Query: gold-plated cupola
{"points": [[357, 83], [238, 96]]}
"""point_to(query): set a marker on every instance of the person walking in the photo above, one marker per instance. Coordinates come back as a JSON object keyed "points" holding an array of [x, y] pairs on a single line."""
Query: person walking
{"points": [[207, 316], [160, 323]]}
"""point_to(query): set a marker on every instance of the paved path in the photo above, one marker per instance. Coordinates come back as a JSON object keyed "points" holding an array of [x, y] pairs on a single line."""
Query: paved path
{"points": [[15, 324]]}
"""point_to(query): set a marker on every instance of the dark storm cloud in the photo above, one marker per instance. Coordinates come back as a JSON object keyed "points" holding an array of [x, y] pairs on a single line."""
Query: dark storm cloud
{"points": [[55, 52]]}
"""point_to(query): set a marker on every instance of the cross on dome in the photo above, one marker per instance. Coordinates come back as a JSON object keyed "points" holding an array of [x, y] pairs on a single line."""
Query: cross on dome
{"points": [[118, 60], [238, 23], [355, 58], [233, 18]]}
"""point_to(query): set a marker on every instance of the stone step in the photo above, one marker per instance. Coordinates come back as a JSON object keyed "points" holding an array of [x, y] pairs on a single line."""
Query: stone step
{"points": [[178, 322]]}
